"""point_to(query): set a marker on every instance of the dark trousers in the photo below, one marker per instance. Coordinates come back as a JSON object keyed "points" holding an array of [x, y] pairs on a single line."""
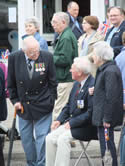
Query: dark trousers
{"points": [[110, 144], [1, 152]]}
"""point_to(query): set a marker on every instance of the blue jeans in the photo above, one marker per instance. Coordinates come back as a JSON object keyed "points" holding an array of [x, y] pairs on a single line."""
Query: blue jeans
{"points": [[110, 144], [33, 133], [122, 148]]}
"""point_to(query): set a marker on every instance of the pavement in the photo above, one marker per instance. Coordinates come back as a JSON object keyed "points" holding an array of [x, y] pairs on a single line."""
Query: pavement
{"points": [[18, 156]]}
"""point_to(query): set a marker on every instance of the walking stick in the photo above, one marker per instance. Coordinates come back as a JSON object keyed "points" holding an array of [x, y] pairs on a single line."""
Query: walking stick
{"points": [[106, 160], [12, 137]]}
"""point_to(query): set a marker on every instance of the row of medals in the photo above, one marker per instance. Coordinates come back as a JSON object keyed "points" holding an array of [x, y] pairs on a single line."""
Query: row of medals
{"points": [[39, 67]]}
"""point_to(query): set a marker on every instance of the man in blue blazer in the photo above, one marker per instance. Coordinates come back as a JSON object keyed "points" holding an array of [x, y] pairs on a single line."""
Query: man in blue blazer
{"points": [[75, 119], [32, 84], [114, 34], [75, 20]]}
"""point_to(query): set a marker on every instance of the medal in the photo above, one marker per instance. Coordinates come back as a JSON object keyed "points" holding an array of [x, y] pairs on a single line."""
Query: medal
{"points": [[36, 67], [80, 104], [40, 67], [43, 67]]}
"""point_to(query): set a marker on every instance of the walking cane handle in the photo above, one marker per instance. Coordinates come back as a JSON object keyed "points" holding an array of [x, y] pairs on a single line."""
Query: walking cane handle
{"points": [[15, 114], [22, 111]]}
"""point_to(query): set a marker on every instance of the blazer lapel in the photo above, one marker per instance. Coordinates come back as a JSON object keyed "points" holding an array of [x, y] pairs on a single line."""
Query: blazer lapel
{"points": [[84, 89], [23, 66], [107, 34], [74, 97], [81, 94]]}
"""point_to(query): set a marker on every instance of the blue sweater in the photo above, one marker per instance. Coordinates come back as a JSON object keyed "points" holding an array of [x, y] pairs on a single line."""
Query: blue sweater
{"points": [[42, 41], [120, 60]]}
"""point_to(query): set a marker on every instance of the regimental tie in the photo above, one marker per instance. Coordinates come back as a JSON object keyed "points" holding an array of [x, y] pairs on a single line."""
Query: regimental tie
{"points": [[29, 64], [78, 90]]}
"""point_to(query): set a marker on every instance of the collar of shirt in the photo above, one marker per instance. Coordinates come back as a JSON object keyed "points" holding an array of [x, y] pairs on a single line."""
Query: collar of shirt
{"points": [[59, 36], [72, 18], [83, 82], [26, 57], [76, 23], [114, 30]]}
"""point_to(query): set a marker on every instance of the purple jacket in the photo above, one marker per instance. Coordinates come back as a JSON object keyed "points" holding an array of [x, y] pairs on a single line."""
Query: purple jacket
{"points": [[5, 70]]}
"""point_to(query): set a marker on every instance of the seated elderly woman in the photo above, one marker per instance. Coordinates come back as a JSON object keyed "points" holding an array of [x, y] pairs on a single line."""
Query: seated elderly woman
{"points": [[75, 119], [91, 36], [107, 97]]}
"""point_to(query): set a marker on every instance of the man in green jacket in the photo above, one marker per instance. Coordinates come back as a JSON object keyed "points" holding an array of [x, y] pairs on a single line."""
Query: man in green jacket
{"points": [[65, 51]]}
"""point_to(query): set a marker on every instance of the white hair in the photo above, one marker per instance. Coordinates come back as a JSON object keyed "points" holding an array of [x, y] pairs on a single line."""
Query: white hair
{"points": [[103, 51], [29, 41], [62, 16], [83, 64]]}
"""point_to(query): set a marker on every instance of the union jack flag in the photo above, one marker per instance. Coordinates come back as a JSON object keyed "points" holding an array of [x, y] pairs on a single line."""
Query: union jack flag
{"points": [[4, 54], [103, 28]]}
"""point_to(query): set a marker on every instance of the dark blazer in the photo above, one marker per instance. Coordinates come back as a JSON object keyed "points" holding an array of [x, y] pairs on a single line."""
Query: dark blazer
{"points": [[38, 94], [108, 96], [3, 105], [77, 31], [116, 41], [79, 119]]}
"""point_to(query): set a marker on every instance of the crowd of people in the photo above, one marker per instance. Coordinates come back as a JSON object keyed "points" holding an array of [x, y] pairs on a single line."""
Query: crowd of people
{"points": [[75, 93]]}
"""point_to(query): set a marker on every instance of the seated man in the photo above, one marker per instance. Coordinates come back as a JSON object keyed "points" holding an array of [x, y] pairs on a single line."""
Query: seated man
{"points": [[75, 119]]}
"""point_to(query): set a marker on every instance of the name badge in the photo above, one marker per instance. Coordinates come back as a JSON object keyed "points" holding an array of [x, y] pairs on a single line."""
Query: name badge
{"points": [[80, 104]]}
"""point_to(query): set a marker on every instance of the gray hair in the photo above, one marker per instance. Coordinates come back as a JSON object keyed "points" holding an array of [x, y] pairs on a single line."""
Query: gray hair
{"points": [[33, 20], [83, 64], [70, 4], [62, 16], [103, 50]]}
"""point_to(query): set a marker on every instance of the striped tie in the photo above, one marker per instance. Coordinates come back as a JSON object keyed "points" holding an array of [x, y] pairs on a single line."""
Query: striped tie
{"points": [[29, 64]]}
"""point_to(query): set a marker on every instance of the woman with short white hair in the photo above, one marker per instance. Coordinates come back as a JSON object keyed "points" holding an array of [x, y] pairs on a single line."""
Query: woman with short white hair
{"points": [[32, 27], [107, 97], [103, 51]]}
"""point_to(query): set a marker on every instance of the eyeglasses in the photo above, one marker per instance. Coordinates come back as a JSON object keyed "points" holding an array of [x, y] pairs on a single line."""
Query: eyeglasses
{"points": [[34, 52], [114, 15], [54, 22]]}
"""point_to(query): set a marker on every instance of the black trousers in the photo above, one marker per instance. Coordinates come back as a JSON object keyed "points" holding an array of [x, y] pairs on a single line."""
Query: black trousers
{"points": [[1, 151], [110, 144]]}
